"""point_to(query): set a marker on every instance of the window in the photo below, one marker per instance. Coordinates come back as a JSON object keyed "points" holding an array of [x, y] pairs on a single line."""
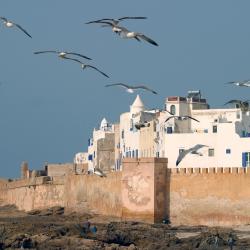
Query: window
{"points": [[238, 115], [131, 124], [228, 151], [169, 130], [123, 134], [172, 109], [210, 152], [246, 159], [215, 129], [90, 157]]}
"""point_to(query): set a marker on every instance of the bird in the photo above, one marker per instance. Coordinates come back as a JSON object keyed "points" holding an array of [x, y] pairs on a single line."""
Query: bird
{"points": [[192, 150], [244, 83], [130, 88], [125, 33], [99, 172], [140, 125], [84, 66], [181, 118], [10, 24], [241, 104], [117, 20], [62, 54]]}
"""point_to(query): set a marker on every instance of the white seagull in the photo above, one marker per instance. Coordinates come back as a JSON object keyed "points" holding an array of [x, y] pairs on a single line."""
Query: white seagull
{"points": [[130, 88], [117, 20], [181, 118], [10, 24], [99, 172], [244, 83], [239, 102], [192, 150], [62, 54], [84, 66], [125, 33]]}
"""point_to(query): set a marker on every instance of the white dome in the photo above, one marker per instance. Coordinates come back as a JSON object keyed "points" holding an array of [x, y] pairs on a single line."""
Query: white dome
{"points": [[137, 105], [104, 124]]}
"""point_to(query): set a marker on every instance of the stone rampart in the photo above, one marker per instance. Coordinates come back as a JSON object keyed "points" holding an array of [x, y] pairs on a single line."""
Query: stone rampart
{"points": [[100, 195], [209, 196]]}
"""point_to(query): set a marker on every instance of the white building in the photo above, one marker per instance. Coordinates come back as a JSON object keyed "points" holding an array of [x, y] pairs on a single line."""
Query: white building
{"points": [[225, 133], [101, 148]]}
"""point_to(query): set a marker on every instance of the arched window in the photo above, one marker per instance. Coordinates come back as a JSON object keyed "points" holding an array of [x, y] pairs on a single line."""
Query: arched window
{"points": [[172, 109]]}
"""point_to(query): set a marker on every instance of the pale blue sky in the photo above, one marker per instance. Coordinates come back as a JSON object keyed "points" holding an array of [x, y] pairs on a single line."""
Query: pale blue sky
{"points": [[48, 107]]}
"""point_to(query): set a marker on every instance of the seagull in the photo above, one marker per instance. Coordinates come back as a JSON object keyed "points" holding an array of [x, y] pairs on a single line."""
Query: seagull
{"points": [[116, 21], [130, 88], [84, 66], [242, 104], [99, 172], [192, 150], [181, 118], [140, 125], [62, 54], [10, 24], [125, 33], [244, 83]]}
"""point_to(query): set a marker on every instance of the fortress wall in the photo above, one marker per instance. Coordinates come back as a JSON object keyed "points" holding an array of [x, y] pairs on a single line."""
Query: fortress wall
{"points": [[101, 195], [214, 196], [35, 193]]}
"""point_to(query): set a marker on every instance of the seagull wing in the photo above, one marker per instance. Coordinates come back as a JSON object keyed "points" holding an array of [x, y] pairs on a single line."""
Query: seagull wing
{"points": [[233, 101], [100, 20], [106, 22], [4, 19], [46, 51], [196, 147], [90, 66], [131, 17], [76, 54], [181, 156], [146, 88], [22, 29], [142, 36], [190, 117], [169, 112], [119, 84], [169, 118]]}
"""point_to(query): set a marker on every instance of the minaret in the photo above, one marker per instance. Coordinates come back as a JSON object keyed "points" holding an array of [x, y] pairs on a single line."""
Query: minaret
{"points": [[137, 105]]}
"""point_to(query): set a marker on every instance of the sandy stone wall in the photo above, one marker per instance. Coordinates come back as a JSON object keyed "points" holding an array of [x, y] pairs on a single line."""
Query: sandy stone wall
{"points": [[213, 196], [143, 189], [101, 195], [34, 193]]}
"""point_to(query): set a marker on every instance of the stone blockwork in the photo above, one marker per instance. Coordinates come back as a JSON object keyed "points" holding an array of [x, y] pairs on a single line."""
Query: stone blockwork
{"points": [[146, 190], [143, 189], [34, 193], [214, 196], [93, 193]]}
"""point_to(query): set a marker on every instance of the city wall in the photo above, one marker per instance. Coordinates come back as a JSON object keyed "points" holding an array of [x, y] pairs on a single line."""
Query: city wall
{"points": [[213, 196], [146, 190]]}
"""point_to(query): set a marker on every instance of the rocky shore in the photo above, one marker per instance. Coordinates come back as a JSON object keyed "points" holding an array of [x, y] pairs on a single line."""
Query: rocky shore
{"points": [[53, 229]]}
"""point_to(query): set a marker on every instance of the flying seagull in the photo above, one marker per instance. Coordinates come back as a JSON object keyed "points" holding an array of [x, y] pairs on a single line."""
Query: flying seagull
{"points": [[125, 33], [242, 104], [84, 66], [62, 54], [116, 21], [244, 83], [10, 24], [181, 118], [99, 172], [130, 88], [192, 150]]}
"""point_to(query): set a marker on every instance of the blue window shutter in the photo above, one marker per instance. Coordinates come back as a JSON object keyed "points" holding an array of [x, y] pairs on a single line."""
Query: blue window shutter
{"points": [[90, 157], [244, 162]]}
